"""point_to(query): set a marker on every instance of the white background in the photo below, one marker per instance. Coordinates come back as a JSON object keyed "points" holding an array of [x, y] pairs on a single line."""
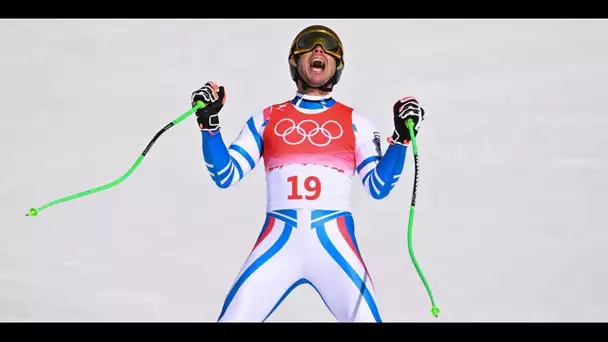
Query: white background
{"points": [[510, 215]]}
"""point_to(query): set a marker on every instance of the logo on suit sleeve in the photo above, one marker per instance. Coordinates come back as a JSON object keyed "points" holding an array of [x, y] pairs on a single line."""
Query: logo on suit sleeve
{"points": [[377, 143]]}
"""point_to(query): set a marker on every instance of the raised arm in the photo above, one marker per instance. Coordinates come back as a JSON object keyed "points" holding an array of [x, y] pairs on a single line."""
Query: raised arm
{"points": [[226, 164], [380, 173]]}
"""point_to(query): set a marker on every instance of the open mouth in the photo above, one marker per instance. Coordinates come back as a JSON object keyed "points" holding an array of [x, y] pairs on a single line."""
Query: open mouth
{"points": [[317, 64]]}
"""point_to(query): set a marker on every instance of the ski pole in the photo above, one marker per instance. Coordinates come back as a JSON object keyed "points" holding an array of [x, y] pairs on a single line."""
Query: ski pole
{"points": [[435, 310], [36, 211]]}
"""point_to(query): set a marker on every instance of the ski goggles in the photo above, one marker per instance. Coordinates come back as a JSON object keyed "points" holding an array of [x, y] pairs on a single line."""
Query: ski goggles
{"points": [[309, 40]]}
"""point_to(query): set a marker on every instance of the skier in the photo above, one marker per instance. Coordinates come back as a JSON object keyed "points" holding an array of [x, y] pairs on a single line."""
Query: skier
{"points": [[312, 145]]}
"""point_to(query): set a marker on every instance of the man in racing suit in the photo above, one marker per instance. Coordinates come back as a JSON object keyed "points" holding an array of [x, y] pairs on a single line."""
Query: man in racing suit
{"points": [[312, 145]]}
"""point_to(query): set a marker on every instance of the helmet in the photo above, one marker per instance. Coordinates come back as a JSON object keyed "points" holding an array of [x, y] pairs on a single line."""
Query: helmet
{"points": [[307, 40]]}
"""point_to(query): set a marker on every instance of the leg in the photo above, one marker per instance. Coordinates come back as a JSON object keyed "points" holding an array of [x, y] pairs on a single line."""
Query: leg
{"points": [[340, 274], [267, 273]]}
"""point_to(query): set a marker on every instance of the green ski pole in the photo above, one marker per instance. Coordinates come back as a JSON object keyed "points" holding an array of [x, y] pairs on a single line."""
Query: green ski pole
{"points": [[435, 310], [36, 211]]}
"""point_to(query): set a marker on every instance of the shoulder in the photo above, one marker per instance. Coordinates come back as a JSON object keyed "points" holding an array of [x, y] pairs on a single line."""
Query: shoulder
{"points": [[264, 113], [362, 124], [344, 107], [274, 108], [366, 133], [259, 119], [357, 118]]}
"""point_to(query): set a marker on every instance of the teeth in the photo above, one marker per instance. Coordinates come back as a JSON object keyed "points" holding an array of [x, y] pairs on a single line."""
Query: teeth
{"points": [[317, 64]]}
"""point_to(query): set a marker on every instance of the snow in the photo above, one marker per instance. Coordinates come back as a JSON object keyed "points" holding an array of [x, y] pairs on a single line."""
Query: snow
{"points": [[513, 170]]}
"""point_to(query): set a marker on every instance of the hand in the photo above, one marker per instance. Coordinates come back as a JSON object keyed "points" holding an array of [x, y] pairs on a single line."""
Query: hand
{"points": [[403, 110], [214, 97]]}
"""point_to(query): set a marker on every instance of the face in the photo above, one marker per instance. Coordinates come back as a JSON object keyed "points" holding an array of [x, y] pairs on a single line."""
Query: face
{"points": [[316, 67]]}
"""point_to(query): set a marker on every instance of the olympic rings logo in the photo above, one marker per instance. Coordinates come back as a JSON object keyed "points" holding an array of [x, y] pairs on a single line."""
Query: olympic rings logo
{"points": [[302, 134]]}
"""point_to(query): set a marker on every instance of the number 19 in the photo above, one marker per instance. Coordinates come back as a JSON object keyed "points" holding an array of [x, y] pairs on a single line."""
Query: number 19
{"points": [[312, 185]]}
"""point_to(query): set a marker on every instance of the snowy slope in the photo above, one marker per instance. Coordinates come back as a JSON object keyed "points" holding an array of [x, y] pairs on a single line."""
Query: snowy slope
{"points": [[514, 175]]}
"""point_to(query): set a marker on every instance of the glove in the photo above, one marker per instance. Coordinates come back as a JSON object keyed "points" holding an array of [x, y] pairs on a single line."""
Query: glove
{"points": [[403, 110], [214, 97]]}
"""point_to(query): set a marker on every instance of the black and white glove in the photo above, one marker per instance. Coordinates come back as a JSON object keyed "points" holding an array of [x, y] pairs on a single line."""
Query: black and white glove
{"points": [[214, 97], [403, 110]]}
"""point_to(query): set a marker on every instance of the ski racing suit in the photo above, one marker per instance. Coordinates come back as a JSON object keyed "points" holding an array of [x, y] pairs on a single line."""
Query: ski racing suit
{"points": [[312, 147]]}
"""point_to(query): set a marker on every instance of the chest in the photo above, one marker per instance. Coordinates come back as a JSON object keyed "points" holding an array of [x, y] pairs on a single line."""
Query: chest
{"points": [[293, 132]]}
